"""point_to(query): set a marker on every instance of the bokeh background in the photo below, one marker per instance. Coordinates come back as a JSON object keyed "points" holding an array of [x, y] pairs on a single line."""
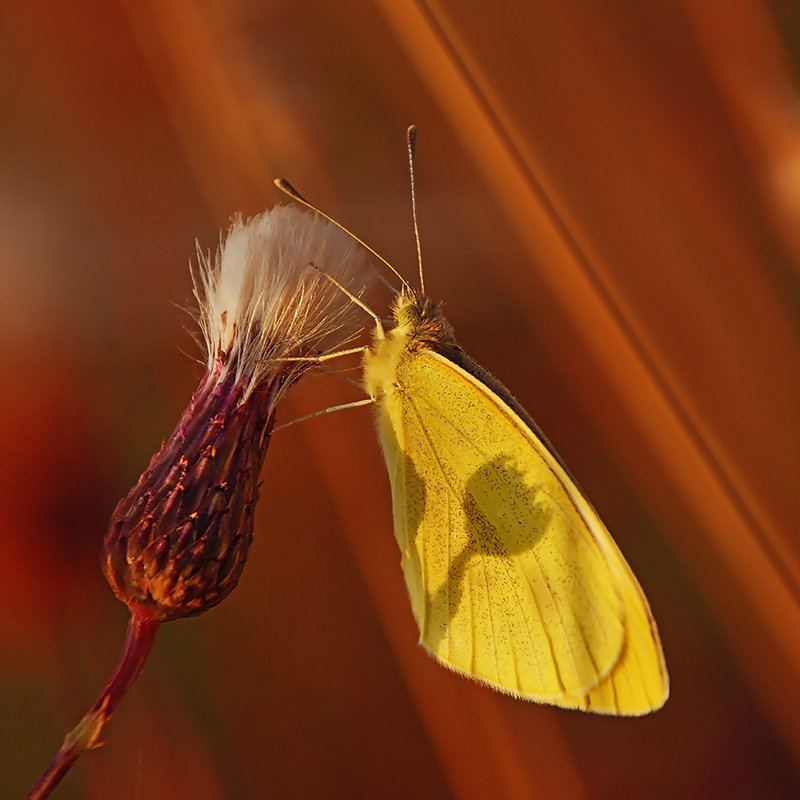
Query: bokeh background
{"points": [[609, 199]]}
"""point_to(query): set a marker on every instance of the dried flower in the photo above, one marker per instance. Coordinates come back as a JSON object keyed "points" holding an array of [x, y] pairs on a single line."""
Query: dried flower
{"points": [[178, 542]]}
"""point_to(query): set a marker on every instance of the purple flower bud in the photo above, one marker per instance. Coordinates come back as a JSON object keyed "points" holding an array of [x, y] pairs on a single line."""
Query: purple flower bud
{"points": [[178, 542]]}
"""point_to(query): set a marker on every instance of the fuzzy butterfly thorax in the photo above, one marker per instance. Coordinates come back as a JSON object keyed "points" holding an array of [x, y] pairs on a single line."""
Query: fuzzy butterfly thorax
{"points": [[423, 321], [419, 325]]}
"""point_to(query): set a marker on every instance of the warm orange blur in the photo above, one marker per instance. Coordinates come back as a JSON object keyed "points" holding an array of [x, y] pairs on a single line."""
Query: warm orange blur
{"points": [[609, 201]]}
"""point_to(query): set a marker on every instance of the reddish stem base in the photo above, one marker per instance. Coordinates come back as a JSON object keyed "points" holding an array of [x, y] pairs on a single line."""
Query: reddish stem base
{"points": [[86, 734]]}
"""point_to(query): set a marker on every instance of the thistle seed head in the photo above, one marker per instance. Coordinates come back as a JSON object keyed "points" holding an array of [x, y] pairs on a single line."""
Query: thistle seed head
{"points": [[178, 542], [261, 300]]}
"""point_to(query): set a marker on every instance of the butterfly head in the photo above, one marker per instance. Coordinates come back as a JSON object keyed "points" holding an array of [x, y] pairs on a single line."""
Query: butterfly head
{"points": [[420, 321]]}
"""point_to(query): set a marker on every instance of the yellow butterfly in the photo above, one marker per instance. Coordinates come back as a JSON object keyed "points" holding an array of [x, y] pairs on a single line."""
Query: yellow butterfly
{"points": [[513, 578]]}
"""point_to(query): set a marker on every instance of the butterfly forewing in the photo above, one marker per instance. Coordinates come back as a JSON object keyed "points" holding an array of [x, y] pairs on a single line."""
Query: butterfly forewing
{"points": [[507, 583]]}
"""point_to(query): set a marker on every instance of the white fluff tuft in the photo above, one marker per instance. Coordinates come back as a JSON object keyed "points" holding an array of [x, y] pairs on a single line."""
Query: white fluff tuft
{"points": [[262, 301]]}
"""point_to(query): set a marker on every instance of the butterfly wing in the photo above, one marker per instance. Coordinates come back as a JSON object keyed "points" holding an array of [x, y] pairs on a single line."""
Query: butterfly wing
{"points": [[512, 576]]}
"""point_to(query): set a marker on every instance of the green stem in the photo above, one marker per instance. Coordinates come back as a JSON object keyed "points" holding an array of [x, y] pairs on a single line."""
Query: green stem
{"points": [[86, 734]]}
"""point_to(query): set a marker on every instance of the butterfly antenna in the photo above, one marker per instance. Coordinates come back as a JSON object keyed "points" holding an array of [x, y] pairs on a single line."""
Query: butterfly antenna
{"points": [[287, 188], [412, 146]]}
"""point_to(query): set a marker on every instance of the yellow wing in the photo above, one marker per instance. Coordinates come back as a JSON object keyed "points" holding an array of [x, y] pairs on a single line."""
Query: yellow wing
{"points": [[513, 578]]}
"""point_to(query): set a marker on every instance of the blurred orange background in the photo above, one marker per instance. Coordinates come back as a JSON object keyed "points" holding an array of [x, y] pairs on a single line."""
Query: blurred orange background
{"points": [[609, 199]]}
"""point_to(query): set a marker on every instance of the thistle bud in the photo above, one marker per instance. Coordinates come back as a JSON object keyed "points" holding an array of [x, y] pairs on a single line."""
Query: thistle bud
{"points": [[178, 542]]}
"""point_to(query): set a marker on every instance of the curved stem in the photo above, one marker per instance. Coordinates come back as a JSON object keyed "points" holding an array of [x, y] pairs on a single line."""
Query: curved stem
{"points": [[86, 734]]}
